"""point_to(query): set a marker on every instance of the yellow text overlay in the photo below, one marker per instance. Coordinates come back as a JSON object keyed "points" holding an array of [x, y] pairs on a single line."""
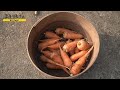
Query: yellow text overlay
{"points": [[14, 20]]}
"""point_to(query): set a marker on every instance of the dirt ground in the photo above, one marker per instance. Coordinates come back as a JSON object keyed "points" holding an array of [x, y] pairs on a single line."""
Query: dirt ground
{"points": [[14, 60]]}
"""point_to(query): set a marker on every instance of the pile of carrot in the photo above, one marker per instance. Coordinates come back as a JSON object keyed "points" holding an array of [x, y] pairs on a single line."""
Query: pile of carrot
{"points": [[64, 49]]}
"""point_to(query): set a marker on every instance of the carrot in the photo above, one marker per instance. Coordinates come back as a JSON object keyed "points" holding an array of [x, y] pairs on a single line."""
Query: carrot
{"points": [[43, 45], [68, 41], [63, 30], [83, 45], [54, 50], [77, 39], [68, 34], [56, 45], [77, 66], [52, 66], [45, 59], [71, 35], [56, 57], [47, 53], [49, 34], [72, 52], [65, 58], [77, 50], [74, 57], [70, 46], [47, 40]]}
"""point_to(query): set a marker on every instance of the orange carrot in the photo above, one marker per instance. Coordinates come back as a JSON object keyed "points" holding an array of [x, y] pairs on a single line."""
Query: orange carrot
{"points": [[68, 35], [68, 41], [54, 50], [52, 66], [56, 45], [72, 52], [77, 50], [49, 34], [74, 57], [47, 53], [77, 39], [70, 46], [43, 45], [77, 66], [65, 58], [56, 57], [63, 30], [83, 45], [45, 59]]}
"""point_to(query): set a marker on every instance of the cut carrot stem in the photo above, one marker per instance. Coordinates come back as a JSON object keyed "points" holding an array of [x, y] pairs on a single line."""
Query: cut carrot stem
{"points": [[72, 35], [77, 66], [65, 58], [49, 34], [70, 46], [78, 55], [83, 45]]}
